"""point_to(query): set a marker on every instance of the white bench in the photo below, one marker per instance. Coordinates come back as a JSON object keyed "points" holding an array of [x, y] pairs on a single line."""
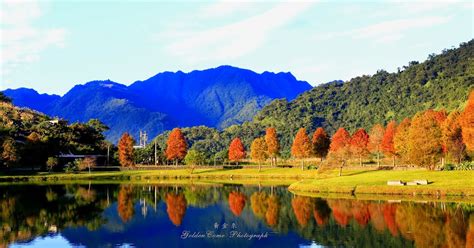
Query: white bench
{"points": [[395, 183]]}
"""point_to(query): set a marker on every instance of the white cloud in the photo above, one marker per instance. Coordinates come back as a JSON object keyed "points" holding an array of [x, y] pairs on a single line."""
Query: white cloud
{"points": [[235, 39], [21, 41], [388, 31]]}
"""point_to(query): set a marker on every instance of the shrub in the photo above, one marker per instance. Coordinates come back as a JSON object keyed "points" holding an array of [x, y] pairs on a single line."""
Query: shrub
{"points": [[51, 163], [448, 167], [466, 165]]}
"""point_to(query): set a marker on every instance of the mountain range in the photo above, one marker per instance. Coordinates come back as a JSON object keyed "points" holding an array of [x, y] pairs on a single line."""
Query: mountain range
{"points": [[217, 97]]}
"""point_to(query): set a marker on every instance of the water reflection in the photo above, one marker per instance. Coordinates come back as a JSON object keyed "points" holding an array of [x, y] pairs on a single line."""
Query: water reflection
{"points": [[151, 215]]}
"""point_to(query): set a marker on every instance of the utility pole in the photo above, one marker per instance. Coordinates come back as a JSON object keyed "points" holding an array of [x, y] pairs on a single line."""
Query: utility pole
{"points": [[156, 155], [108, 155]]}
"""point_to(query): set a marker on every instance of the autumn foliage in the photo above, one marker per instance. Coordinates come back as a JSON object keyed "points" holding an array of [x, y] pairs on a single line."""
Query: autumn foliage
{"points": [[375, 140], [388, 146], [176, 146], [452, 137], [401, 138], [236, 150], [176, 207], [236, 202], [359, 144], [258, 150], [467, 123], [125, 150], [125, 203], [320, 143], [273, 145], [301, 145], [302, 208], [424, 140]]}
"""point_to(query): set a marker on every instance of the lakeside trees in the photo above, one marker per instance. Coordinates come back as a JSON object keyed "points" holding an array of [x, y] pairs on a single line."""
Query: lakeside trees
{"points": [[125, 150], [320, 143], [273, 145], [236, 150], [301, 147], [176, 146], [258, 151]]}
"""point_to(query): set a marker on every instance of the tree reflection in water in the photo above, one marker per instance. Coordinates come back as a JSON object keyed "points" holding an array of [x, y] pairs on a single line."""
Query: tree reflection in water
{"points": [[29, 211]]}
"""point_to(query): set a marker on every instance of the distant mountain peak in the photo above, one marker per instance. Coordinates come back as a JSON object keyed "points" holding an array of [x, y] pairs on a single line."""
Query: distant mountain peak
{"points": [[216, 97]]}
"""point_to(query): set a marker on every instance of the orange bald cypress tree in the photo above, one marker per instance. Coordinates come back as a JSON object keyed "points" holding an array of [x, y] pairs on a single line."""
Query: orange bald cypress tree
{"points": [[301, 147], [125, 203], [359, 144], [320, 143], [425, 140], [236, 150], [176, 146], [388, 147], [176, 207], [258, 151], [467, 123], [125, 150], [236, 202], [339, 149], [452, 137], [273, 145], [375, 140], [273, 210], [401, 138]]}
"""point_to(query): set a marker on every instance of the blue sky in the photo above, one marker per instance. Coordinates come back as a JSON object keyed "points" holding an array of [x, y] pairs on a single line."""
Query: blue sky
{"points": [[52, 45]]}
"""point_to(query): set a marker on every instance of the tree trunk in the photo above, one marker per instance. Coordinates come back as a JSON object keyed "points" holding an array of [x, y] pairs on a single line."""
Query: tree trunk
{"points": [[302, 164], [378, 159], [393, 161], [360, 160], [276, 161], [340, 168]]}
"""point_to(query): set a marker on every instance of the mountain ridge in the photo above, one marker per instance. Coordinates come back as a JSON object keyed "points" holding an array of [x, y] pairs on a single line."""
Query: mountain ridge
{"points": [[216, 97]]}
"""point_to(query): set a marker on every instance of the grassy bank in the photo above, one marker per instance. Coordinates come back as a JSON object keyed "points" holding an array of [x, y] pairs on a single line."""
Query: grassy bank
{"points": [[441, 183], [358, 182]]}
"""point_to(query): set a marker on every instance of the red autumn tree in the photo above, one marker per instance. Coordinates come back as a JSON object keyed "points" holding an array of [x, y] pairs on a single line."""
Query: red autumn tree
{"points": [[400, 140], [176, 207], [236, 150], [359, 144], [301, 147], [273, 145], [467, 123], [258, 151], [375, 140], [339, 150], [125, 150], [236, 202], [320, 143], [125, 203], [176, 146], [388, 147]]}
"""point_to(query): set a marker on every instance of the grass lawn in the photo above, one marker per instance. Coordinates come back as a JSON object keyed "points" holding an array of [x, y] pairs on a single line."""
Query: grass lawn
{"points": [[366, 182]]}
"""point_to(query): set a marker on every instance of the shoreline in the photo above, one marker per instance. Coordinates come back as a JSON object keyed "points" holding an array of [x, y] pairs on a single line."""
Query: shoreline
{"points": [[354, 182]]}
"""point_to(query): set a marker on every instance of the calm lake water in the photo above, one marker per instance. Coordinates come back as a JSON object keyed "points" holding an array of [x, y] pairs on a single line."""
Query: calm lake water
{"points": [[101, 215]]}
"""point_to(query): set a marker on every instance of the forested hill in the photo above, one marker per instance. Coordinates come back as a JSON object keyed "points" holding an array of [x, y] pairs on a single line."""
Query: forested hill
{"points": [[441, 82]]}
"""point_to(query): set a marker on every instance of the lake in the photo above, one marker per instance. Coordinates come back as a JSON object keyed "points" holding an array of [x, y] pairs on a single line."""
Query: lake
{"points": [[130, 215]]}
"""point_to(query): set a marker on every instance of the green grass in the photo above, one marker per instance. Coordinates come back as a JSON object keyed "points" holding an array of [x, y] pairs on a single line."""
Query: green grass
{"points": [[369, 181], [441, 183]]}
